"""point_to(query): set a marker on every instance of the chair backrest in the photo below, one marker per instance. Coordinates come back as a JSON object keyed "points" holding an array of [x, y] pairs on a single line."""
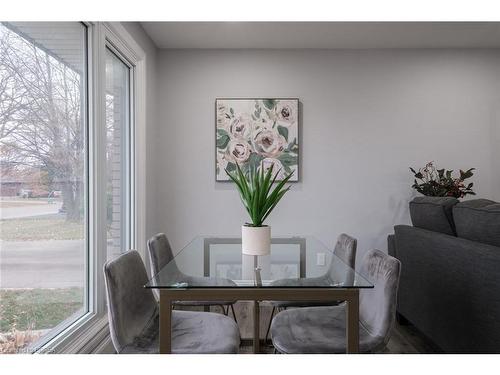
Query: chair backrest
{"points": [[160, 252], [131, 307], [377, 306], [345, 249]]}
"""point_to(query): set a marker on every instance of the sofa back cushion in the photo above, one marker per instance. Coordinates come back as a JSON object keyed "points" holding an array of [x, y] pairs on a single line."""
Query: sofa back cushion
{"points": [[478, 220], [433, 213]]}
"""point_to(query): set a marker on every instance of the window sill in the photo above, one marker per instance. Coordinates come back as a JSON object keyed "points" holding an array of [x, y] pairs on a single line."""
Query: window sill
{"points": [[84, 336]]}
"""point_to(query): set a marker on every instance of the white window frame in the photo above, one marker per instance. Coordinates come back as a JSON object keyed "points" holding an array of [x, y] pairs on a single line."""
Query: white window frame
{"points": [[88, 332]]}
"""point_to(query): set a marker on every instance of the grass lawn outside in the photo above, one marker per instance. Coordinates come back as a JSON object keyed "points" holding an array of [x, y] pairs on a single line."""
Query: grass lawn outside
{"points": [[35, 309], [40, 228]]}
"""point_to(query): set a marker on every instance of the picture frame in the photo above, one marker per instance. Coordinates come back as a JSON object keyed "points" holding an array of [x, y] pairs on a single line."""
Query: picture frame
{"points": [[258, 133]]}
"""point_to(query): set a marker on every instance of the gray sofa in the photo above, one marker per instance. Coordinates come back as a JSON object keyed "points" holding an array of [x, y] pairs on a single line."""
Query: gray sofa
{"points": [[450, 276]]}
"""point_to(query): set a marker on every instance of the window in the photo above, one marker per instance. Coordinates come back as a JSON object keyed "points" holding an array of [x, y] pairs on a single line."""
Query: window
{"points": [[118, 153], [68, 190], [43, 181]]}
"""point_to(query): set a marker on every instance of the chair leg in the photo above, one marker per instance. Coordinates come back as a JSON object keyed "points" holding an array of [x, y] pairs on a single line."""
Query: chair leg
{"points": [[234, 314], [269, 324]]}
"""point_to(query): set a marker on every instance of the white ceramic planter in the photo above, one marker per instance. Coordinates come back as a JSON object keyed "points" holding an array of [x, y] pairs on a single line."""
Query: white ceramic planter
{"points": [[256, 240]]}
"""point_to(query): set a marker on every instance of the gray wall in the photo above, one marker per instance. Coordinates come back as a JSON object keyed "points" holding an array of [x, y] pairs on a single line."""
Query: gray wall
{"points": [[367, 115]]}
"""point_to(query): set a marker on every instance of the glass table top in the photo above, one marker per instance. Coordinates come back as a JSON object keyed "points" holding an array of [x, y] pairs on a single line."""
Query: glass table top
{"points": [[294, 262]]}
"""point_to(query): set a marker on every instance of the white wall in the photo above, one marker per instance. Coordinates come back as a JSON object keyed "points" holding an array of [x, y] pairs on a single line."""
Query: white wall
{"points": [[367, 115]]}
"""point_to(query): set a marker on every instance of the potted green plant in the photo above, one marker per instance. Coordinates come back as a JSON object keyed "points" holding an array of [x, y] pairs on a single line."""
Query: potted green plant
{"points": [[259, 198], [434, 182]]}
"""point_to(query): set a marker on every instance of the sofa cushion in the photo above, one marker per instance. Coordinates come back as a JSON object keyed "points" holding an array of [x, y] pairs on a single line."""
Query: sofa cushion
{"points": [[478, 220], [433, 213]]}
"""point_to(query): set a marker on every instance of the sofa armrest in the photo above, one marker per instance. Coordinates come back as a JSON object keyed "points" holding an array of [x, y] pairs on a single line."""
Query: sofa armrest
{"points": [[391, 245]]}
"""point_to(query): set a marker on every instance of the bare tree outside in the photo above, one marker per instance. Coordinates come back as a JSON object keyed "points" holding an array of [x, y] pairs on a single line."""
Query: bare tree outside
{"points": [[41, 121]]}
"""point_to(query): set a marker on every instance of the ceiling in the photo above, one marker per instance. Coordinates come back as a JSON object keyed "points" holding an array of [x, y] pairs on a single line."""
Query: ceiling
{"points": [[325, 35]]}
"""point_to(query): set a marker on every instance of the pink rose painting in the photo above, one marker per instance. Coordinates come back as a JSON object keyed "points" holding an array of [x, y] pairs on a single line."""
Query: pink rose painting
{"points": [[257, 133]]}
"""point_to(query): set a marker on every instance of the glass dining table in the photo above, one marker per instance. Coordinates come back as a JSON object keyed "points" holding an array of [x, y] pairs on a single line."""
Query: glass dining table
{"points": [[297, 269]]}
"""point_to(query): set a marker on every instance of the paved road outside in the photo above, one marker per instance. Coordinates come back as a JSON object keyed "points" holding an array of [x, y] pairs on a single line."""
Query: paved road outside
{"points": [[42, 264], [28, 209]]}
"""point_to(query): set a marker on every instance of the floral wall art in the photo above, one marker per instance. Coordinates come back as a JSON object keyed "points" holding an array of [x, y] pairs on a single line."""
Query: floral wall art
{"points": [[257, 133]]}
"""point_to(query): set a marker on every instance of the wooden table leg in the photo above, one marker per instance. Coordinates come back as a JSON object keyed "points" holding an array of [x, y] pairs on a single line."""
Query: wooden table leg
{"points": [[256, 326], [352, 323], [165, 322]]}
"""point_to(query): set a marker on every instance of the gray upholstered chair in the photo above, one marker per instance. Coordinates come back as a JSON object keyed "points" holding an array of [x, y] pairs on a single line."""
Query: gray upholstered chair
{"points": [[160, 254], [345, 249], [322, 329], [133, 316]]}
